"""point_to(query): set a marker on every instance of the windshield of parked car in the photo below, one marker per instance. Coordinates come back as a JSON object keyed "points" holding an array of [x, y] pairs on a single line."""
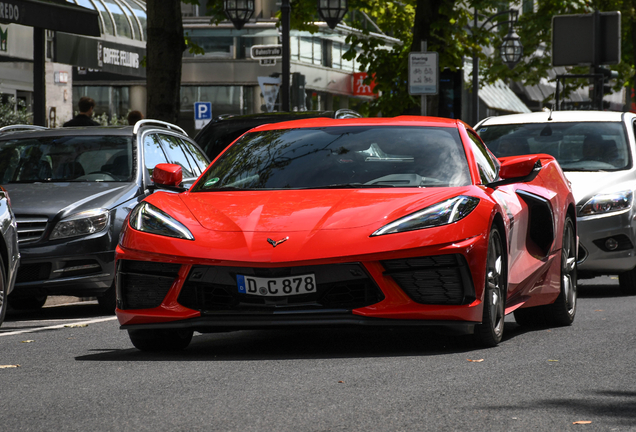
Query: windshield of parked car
{"points": [[577, 146], [341, 157], [66, 159]]}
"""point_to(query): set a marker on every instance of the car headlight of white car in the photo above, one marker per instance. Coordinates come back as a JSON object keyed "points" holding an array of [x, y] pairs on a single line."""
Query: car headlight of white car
{"points": [[608, 203], [148, 218], [443, 213], [84, 223]]}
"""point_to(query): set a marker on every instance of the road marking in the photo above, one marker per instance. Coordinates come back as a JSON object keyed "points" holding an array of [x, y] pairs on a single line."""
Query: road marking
{"points": [[59, 326]]}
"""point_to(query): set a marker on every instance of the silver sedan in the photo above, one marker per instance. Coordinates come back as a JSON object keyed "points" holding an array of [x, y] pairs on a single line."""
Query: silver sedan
{"points": [[596, 150]]}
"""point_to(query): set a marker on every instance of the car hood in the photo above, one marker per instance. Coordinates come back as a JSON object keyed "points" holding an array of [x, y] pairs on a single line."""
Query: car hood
{"points": [[308, 210], [587, 184], [67, 198]]}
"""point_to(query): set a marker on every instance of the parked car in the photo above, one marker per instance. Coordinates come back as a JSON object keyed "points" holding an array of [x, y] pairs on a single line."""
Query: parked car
{"points": [[224, 129], [71, 189], [597, 150], [9, 255], [375, 221]]}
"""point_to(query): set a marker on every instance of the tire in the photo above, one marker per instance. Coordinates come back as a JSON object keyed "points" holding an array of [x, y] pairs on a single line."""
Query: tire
{"points": [[490, 332], [108, 300], [3, 293], [562, 311], [25, 303], [161, 340], [627, 282]]}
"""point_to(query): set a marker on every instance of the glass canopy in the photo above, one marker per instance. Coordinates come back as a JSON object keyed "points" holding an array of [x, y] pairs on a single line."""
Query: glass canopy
{"points": [[121, 18]]}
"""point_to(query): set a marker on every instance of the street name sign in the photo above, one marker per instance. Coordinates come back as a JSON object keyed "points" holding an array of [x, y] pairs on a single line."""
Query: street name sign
{"points": [[267, 52]]}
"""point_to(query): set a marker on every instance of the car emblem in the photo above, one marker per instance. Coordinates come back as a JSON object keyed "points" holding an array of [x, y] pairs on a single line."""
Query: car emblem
{"points": [[276, 243]]}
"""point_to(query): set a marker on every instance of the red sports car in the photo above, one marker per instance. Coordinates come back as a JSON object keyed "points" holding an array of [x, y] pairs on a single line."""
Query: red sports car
{"points": [[372, 221]]}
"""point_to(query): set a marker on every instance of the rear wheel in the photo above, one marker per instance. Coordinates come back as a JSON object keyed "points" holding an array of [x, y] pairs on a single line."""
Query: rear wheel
{"points": [[490, 332], [161, 340], [563, 310], [627, 282]]}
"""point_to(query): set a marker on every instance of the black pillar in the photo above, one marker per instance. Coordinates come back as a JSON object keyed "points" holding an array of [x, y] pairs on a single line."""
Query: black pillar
{"points": [[39, 88], [284, 94]]}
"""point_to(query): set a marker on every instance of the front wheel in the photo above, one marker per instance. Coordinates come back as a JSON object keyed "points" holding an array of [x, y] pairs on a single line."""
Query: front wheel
{"points": [[108, 300], [161, 340], [25, 303], [627, 282], [490, 332], [562, 311]]}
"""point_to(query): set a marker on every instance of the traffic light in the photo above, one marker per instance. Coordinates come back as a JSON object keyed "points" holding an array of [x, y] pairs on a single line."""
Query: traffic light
{"points": [[608, 75]]}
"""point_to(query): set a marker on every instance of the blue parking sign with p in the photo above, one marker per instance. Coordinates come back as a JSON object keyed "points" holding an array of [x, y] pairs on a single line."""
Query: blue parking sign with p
{"points": [[202, 114]]}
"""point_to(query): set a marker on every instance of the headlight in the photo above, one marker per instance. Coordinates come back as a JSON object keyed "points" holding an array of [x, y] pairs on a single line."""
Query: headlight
{"points": [[607, 203], [83, 223], [443, 213], [148, 218]]}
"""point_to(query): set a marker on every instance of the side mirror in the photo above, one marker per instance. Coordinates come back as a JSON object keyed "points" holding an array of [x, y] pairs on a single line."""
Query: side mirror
{"points": [[517, 169], [167, 175], [518, 166]]}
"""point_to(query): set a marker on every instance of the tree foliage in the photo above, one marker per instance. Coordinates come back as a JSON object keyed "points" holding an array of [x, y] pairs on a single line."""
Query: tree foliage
{"points": [[447, 27], [12, 113]]}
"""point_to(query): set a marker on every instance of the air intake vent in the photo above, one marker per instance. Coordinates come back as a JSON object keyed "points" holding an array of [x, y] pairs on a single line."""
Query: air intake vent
{"points": [[144, 284], [435, 280]]}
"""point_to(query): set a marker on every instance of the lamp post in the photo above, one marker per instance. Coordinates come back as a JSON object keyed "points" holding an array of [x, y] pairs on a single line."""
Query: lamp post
{"points": [[240, 11], [510, 50]]}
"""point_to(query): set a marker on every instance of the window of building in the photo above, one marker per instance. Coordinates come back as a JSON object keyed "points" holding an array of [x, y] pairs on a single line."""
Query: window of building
{"points": [[214, 46], [121, 21], [310, 50]]}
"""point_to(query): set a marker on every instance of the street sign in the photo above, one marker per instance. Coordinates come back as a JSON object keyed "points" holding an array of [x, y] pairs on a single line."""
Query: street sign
{"points": [[586, 39], [266, 52], [269, 89], [267, 62], [202, 114], [423, 73]]}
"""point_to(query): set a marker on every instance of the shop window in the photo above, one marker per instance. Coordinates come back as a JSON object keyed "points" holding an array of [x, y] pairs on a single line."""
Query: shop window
{"points": [[214, 46]]}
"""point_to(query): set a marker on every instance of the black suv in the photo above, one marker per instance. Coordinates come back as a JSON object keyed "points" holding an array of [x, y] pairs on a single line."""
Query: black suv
{"points": [[71, 189], [224, 129]]}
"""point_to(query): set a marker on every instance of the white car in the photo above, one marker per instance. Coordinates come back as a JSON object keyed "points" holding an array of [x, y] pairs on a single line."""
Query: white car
{"points": [[596, 150]]}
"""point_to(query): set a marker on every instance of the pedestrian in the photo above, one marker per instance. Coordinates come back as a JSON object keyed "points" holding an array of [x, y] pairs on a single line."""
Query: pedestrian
{"points": [[86, 106], [134, 117]]}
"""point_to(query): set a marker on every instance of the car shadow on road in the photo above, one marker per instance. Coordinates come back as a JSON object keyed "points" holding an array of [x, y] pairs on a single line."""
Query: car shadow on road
{"points": [[315, 343]]}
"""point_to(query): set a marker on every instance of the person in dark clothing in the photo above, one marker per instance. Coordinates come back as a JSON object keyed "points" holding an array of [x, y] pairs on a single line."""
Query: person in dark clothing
{"points": [[86, 106]]}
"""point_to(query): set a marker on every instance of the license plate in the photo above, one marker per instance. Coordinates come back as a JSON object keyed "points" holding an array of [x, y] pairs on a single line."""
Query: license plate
{"points": [[276, 287]]}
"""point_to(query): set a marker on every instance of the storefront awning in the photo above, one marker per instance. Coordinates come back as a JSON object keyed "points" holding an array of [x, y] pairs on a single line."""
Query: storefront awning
{"points": [[498, 96]]}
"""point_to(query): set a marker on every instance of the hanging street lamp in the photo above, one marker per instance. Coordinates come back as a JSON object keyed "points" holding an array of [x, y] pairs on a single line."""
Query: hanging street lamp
{"points": [[511, 51], [238, 11], [332, 11]]}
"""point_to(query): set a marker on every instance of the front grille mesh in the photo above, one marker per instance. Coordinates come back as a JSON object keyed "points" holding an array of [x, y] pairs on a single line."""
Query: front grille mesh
{"points": [[144, 284], [33, 272], [30, 228], [435, 280], [339, 286]]}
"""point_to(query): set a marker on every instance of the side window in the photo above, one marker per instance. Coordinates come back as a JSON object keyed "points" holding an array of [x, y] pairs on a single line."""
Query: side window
{"points": [[153, 154], [175, 152], [488, 167], [200, 159]]}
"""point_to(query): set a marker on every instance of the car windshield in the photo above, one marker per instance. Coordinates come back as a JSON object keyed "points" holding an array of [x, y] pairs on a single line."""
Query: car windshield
{"points": [[577, 146], [66, 159], [341, 157]]}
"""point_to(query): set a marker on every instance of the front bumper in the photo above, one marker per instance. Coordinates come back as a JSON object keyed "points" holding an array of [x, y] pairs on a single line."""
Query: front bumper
{"points": [[594, 257], [197, 294], [82, 267]]}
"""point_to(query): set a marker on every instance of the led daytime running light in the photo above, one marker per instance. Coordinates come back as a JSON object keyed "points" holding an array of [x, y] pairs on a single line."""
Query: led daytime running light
{"points": [[148, 218]]}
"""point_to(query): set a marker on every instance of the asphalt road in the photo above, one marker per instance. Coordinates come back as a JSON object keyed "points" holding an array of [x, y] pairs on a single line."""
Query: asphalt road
{"points": [[78, 372]]}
